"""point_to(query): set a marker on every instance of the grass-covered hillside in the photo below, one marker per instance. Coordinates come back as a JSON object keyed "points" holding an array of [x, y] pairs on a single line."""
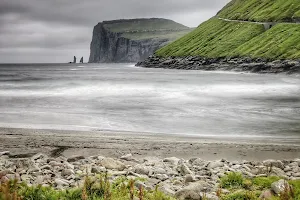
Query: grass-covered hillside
{"points": [[262, 10], [139, 29], [220, 38]]}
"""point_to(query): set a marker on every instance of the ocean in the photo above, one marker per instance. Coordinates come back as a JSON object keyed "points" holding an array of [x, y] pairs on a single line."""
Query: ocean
{"points": [[122, 97]]}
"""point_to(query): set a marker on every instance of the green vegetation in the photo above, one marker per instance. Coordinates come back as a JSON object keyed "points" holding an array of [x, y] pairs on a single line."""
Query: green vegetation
{"points": [[131, 25], [213, 38], [97, 188], [171, 35], [264, 182], [232, 180], [261, 10], [140, 29], [100, 188], [217, 38], [281, 41], [250, 189]]}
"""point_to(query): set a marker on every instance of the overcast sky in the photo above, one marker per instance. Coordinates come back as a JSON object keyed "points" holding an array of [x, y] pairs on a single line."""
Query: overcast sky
{"points": [[56, 30]]}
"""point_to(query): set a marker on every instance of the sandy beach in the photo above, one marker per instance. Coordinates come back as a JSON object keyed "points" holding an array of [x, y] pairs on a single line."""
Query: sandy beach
{"points": [[27, 142]]}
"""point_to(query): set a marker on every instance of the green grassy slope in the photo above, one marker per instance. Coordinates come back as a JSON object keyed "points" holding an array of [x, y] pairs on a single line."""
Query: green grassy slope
{"points": [[214, 38], [218, 38], [261, 10], [282, 41], [143, 25]]}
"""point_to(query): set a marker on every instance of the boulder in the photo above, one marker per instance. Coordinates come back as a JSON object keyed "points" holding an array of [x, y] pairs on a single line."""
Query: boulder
{"points": [[75, 158], [142, 169], [172, 160], [128, 157], [280, 186], [267, 194], [113, 164], [192, 191], [67, 172], [274, 163], [215, 164], [184, 169]]}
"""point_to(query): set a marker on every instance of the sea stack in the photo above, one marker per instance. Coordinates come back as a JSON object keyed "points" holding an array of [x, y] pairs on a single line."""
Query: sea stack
{"points": [[74, 61], [81, 60]]}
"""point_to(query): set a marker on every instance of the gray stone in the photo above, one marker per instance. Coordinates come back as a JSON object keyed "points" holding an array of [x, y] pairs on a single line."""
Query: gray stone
{"points": [[192, 191], [274, 163], [215, 164], [67, 172], [113, 164], [4, 153], [75, 158], [128, 157], [280, 186], [141, 169], [184, 169], [61, 182], [98, 170], [172, 160], [161, 177], [267, 194], [189, 178]]}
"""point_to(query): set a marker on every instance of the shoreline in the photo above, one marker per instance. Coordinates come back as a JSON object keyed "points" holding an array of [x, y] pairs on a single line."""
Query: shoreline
{"points": [[262, 66], [27, 142]]}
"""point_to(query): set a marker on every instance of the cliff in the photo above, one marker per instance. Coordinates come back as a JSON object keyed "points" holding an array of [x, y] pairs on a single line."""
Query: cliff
{"points": [[132, 40], [246, 35]]}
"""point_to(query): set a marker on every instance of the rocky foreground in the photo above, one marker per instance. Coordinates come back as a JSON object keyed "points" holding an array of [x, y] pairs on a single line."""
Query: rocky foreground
{"points": [[223, 64], [178, 177]]}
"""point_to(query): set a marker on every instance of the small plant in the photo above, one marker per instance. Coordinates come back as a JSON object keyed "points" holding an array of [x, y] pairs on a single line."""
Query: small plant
{"points": [[261, 183], [232, 180]]}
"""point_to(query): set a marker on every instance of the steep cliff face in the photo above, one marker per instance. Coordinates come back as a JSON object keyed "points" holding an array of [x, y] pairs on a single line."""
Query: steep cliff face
{"points": [[132, 40]]}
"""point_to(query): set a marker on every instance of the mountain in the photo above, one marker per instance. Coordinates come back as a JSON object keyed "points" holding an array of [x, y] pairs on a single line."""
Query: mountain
{"points": [[246, 35], [132, 40], [220, 37]]}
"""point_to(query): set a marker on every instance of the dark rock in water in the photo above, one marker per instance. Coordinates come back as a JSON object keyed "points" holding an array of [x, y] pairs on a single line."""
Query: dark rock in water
{"points": [[74, 61], [224, 64], [81, 60]]}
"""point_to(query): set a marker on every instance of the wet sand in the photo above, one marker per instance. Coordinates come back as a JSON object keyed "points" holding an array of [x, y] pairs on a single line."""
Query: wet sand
{"points": [[26, 142]]}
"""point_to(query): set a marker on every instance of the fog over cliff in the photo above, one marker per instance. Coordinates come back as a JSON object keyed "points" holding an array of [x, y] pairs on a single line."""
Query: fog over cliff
{"points": [[55, 30]]}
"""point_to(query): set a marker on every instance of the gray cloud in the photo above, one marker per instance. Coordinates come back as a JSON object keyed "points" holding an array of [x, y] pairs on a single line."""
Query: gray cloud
{"points": [[34, 27]]}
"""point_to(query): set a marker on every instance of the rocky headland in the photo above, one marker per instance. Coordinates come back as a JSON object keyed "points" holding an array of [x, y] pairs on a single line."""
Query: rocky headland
{"points": [[223, 64], [132, 40], [247, 35]]}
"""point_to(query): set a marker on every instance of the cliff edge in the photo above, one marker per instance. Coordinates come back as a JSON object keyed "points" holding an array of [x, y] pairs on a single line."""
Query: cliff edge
{"points": [[132, 40]]}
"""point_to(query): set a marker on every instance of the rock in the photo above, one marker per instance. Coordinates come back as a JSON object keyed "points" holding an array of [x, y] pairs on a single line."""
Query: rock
{"points": [[274, 163], [98, 170], [199, 162], [39, 156], [67, 172], [128, 157], [139, 184], [61, 182], [161, 177], [75, 158], [172, 160], [267, 194], [110, 163], [208, 196], [280, 186], [141, 169], [110, 46], [184, 169], [215, 164], [189, 178], [4, 153], [192, 191]]}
